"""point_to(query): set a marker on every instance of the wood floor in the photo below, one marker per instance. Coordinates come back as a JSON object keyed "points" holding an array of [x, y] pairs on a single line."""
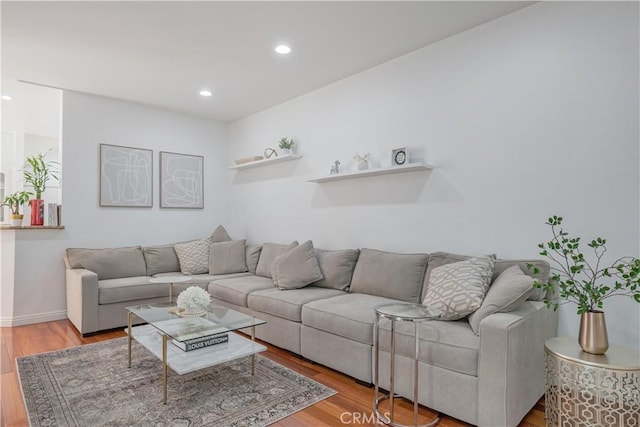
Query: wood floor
{"points": [[350, 406]]}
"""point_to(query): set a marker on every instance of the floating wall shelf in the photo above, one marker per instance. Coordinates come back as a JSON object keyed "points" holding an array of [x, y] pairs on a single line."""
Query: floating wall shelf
{"points": [[266, 162], [411, 167]]}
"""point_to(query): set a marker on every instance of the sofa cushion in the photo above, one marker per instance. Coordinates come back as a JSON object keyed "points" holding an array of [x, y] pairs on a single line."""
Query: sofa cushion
{"points": [[201, 278], [438, 259], [288, 305], [193, 256], [228, 257], [350, 316], [129, 289], [448, 345], [252, 257], [109, 263], [160, 259], [268, 254], [219, 235], [457, 289], [389, 275], [506, 293], [296, 268], [236, 290], [337, 268]]}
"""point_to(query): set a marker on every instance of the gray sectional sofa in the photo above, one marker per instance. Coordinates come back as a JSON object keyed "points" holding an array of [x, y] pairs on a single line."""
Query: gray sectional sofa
{"points": [[492, 378]]}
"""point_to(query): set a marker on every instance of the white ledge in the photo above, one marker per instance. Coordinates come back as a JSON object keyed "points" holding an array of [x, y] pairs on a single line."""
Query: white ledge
{"points": [[411, 167], [266, 162]]}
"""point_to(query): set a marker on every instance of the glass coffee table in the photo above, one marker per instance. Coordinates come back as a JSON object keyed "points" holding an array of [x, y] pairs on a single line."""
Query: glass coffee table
{"points": [[163, 326]]}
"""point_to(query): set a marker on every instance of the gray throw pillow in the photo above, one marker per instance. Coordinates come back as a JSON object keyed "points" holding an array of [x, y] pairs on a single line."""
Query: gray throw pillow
{"points": [[457, 289], [219, 235], [337, 268], [160, 259], [296, 268], [269, 253], [227, 257], [253, 256], [193, 256], [505, 294]]}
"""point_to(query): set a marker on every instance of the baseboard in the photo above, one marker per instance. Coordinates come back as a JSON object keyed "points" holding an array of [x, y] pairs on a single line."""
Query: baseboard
{"points": [[33, 318]]}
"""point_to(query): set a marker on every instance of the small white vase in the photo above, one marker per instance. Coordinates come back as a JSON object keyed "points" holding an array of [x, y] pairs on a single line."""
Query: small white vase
{"points": [[285, 151], [363, 165]]}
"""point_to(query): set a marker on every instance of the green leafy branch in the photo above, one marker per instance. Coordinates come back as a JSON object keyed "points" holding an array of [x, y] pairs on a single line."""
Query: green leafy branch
{"points": [[38, 171], [577, 281]]}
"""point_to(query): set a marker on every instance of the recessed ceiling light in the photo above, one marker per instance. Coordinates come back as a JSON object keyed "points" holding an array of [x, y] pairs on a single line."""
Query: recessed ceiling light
{"points": [[7, 97], [206, 93], [283, 49]]}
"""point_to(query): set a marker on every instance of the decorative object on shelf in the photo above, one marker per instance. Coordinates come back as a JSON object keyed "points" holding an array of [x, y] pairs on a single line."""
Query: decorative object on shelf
{"points": [[286, 145], [37, 171], [248, 160], [335, 169], [270, 152], [125, 176], [580, 282], [399, 156], [181, 181], [194, 301], [14, 201], [363, 161]]}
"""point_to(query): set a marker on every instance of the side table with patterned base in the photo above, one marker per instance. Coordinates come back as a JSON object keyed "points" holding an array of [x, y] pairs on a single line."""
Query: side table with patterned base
{"points": [[585, 389]]}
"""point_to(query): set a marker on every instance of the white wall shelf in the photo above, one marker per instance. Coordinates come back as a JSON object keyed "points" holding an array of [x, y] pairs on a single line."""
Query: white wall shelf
{"points": [[411, 167], [266, 162]]}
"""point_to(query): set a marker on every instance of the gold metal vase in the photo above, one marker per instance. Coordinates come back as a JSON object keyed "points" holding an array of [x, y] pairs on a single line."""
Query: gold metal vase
{"points": [[593, 333]]}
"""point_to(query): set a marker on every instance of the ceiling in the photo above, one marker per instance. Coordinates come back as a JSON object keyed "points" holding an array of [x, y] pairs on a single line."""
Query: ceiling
{"points": [[163, 53]]}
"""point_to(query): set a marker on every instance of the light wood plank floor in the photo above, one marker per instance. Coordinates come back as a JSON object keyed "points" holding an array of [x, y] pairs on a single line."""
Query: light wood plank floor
{"points": [[352, 402]]}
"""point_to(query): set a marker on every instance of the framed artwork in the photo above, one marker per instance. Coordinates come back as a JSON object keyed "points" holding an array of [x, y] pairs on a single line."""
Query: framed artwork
{"points": [[126, 176], [181, 181]]}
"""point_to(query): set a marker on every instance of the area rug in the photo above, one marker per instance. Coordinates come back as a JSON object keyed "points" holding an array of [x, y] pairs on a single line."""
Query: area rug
{"points": [[91, 385]]}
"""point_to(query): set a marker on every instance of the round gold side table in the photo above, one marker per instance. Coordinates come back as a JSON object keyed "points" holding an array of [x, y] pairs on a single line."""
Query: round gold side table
{"points": [[585, 389]]}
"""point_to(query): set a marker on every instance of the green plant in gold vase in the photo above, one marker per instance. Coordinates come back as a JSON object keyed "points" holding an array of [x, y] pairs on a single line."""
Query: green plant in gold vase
{"points": [[587, 284]]}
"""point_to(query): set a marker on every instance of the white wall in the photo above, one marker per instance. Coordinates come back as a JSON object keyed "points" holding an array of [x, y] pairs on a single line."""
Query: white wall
{"points": [[39, 289], [533, 114]]}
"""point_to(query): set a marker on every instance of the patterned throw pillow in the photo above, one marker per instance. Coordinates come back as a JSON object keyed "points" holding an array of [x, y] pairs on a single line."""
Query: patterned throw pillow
{"points": [[193, 256], [457, 289]]}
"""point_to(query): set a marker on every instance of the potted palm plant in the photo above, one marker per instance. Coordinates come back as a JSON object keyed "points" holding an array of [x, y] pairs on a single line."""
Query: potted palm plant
{"points": [[37, 172], [14, 201], [587, 284]]}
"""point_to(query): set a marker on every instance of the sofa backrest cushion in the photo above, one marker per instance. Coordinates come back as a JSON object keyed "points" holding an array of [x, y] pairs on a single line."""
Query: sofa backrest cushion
{"points": [[253, 256], [269, 253], [228, 257], [109, 263], [296, 268], [390, 275], [337, 268], [160, 259], [438, 259]]}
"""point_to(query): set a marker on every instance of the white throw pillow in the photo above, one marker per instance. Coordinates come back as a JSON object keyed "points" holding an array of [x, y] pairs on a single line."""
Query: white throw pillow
{"points": [[510, 289], [296, 268], [193, 256], [457, 289]]}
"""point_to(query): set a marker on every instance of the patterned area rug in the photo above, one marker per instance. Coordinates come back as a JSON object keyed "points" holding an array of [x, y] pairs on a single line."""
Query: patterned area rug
{"points": [[91, 385]]}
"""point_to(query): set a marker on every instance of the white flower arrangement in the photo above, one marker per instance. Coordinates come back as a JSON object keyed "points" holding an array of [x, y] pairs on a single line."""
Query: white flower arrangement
{"points": [[193, 296]]}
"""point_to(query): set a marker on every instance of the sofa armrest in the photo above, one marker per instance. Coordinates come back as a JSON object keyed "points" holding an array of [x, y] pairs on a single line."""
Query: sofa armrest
{"points": [[82, 299], [511, 362]]}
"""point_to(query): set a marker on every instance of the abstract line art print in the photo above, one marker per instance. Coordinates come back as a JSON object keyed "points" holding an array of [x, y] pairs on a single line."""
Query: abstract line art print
{"points": [[181, 181], [126, 176]]}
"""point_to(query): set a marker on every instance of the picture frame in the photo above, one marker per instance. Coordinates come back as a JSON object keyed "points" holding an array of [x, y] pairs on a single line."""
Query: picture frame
{"points": [[399, 156], [181, 181], [126, 176]]}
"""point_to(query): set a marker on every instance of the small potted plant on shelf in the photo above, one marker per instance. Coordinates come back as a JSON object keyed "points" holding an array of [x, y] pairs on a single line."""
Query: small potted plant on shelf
{"points": [[586, 284], [286, 145], [37, 171], [14, 201]]}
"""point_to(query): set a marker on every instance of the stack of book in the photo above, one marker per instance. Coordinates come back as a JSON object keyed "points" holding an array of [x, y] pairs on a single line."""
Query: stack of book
{"points": [[54, 214], [202, 342]]}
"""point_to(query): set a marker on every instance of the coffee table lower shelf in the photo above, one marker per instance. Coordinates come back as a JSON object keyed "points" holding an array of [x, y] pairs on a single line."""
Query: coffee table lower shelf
{"points": [[183, 362]]}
